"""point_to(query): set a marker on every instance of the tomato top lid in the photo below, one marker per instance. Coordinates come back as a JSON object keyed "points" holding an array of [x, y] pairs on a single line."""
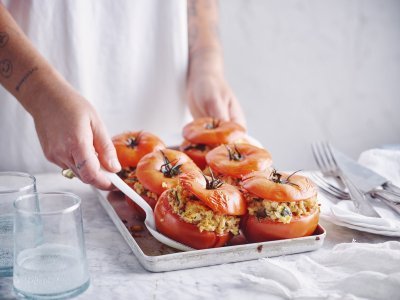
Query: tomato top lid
{"points": [[280, 187]]}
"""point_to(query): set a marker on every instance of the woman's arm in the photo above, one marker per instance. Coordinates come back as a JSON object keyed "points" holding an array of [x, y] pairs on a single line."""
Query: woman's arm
{"points": [[69, 130], [208, 92]]}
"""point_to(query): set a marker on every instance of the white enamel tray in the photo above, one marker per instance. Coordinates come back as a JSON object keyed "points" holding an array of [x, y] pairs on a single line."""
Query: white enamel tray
{"points": [[156, 257]]}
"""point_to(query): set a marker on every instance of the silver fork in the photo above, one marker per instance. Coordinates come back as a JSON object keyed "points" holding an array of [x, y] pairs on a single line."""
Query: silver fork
{"points": [[326, 161], [324, 164], [328, 187], [335, 192]]}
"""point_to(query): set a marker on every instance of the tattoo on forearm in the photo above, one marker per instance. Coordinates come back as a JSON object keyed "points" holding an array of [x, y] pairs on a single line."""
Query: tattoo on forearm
{"points": [[26, 76], [193, 28], [3, 39], [192, 9], [202, 17], [193, 34], [6, 68]]}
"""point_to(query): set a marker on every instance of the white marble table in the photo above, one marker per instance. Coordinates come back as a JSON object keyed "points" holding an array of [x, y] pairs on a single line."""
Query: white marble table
{"points": [[116, 273]]}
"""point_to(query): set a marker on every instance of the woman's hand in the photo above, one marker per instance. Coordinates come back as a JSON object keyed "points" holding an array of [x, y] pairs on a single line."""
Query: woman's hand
{"points": [[73, 136], [209, 95]]}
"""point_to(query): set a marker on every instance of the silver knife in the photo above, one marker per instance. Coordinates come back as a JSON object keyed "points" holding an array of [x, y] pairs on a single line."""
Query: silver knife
{"points": [[369, 181], [366, 179], [392, 203]]}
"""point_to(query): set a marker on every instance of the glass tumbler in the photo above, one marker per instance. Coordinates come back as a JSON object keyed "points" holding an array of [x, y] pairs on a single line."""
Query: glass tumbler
{"points": [[49, 250], [12, 185]]}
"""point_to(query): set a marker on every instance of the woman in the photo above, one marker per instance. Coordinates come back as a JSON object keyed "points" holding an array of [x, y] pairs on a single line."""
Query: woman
{"points": [[79, 67]]}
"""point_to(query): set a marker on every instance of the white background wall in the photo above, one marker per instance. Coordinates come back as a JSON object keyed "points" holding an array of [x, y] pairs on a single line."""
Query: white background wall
{"points": [[307, 70]]}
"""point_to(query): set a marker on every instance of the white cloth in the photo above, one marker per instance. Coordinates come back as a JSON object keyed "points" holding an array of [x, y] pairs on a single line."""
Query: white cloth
{"points": [[385, 162], [348, 271], [127, 57]]}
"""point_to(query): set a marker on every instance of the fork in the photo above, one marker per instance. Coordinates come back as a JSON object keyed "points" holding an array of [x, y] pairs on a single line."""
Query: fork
{"points": [[326, 161], [327, 187], [337, 193], [324, 164]]}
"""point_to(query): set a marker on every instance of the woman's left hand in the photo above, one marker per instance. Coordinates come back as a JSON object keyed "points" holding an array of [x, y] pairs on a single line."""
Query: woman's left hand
{"points": [[209, 95]]}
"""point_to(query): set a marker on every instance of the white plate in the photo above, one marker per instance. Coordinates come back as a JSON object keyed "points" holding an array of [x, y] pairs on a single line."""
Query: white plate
{"points": [[359, 228]]}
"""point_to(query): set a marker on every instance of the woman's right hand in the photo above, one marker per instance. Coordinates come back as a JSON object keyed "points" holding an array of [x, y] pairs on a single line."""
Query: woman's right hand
{"points": [[73, 136]]}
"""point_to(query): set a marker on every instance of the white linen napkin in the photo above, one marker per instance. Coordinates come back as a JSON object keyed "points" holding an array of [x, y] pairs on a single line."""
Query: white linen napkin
{"points": [[345, 211], [386, 162], [348, 271]]}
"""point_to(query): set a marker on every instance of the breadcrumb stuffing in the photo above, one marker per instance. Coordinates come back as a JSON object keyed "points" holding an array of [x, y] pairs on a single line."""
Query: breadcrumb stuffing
{"points": [[280, 211], [139, 188], [191, 210]]}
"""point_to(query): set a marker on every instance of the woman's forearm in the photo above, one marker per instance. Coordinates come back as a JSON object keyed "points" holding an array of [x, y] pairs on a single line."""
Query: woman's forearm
{"points": [[208, 93], [204, 46], [23, 70]]}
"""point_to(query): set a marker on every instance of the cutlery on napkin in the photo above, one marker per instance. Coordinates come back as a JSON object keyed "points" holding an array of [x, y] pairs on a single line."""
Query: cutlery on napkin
{"points": [[386, 163]]}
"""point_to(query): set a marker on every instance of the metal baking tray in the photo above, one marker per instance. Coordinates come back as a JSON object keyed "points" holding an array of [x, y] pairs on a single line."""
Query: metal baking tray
{"points": [[157, 257]]}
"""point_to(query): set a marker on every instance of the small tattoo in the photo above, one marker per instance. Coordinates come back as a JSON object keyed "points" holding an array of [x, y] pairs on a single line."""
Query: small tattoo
{"points": [[6, 68], [81, 164], [200, 52], [193, 34], [29, 73], [192, 9], [3, 39]]}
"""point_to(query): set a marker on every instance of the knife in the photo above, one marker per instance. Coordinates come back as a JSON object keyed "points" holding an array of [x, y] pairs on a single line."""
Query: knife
{"points": [[367, 180], [392, 203]]}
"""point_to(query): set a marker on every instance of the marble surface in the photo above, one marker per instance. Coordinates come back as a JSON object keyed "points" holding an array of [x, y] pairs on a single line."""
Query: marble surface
{"points": [[116, 273]]}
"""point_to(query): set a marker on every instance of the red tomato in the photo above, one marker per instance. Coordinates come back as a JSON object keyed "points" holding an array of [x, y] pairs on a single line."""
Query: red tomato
{"points": [[236, 160], [260, 230], [212, 131], [197, 152], [132, 146], [278, 187], [159, 170], [239, 239], [220, 197], [172, 225]]}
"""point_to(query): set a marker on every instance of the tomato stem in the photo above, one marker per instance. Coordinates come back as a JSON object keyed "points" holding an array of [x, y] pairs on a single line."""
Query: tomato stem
{"points": [[234, 154], [170, 169], [214, 183], [133, 142], [277, 178], [215, 123]]}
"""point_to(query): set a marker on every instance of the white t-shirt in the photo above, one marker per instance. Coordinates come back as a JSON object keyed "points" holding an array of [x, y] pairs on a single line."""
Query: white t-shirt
{"points": [[127, 57]]}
